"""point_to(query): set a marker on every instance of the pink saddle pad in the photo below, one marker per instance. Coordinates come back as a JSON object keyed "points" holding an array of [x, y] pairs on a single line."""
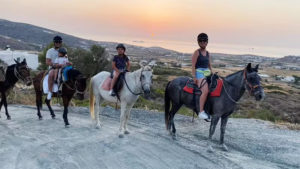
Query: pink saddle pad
{"points": [[106, 84]]}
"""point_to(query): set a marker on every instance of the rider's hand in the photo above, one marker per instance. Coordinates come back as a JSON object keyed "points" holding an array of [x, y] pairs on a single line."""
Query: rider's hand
{"points": [[195, 79]]}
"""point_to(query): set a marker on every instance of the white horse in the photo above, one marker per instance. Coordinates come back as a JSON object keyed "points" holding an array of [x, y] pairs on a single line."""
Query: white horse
{"points": [[135, 83]]}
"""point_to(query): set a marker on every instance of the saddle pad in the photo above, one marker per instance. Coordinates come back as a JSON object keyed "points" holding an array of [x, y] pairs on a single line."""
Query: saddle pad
{"points": [[46, 88], [106, 84], [218, 90], [190, 86]]}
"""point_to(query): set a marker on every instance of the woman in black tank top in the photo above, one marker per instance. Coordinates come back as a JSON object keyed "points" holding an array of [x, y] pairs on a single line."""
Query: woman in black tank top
{"points": [[201, 68]]}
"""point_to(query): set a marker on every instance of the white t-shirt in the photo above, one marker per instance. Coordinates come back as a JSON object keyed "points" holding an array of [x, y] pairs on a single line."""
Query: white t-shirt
{"points": [[52, 54], [61, 61]]}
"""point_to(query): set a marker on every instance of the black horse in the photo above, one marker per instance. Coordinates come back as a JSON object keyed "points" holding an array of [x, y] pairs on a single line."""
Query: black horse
{"points": [[15, 72], [218, 107], [76, 84]]}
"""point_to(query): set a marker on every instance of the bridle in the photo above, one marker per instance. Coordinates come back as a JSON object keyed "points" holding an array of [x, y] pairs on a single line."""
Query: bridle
{"points": [[75, 87], [252, 87], [142, 85], [18, 75]]}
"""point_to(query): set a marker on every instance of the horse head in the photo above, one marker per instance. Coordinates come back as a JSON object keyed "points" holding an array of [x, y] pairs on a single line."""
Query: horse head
{"points": [[22, 72], [253, 84], [146, 78], [80, 85]]}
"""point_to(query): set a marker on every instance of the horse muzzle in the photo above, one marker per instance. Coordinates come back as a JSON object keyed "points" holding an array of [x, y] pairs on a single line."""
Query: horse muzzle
{"points": [[28, 82], [79, 96], [259, 95]]}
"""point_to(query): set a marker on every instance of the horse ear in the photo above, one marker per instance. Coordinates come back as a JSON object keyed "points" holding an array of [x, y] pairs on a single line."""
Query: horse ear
{"points": [[17, 62], [256, 68], [143, 63], [24, 61], [249, 67]]}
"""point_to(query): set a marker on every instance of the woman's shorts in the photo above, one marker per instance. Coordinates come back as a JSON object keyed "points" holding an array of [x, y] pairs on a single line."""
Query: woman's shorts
{"points": [[202, 73]]}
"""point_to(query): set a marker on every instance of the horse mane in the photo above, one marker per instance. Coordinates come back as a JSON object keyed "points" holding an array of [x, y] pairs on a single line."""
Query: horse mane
{"points": [[73, 73], [229, 77]]}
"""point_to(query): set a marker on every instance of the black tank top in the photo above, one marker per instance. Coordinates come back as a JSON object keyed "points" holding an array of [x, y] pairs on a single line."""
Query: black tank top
{"points": [[202, 61]]}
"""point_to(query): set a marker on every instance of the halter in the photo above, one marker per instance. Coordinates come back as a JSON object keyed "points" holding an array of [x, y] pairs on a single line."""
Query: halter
{"points": [[18, 75], [252, 88], [74, 89], [142, 85], [247, 83]]}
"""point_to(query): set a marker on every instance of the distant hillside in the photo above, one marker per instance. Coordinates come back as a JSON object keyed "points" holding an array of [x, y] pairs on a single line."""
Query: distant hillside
{"points": [[26, 33], [289, 59], [15, 44], [22, 36]]}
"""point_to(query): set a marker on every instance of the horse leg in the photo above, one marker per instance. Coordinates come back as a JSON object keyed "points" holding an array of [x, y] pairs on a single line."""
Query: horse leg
{"points": [[5, 106], [223, 127], [212, 129], [38, 100], [128, 111], [66, 100], [1, 103], [50, 108], [98, 109], [122, 118], [173, 111]]}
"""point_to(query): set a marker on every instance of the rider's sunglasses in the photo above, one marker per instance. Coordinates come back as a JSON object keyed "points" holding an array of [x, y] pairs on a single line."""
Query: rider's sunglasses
{"points": [[57, 41]]}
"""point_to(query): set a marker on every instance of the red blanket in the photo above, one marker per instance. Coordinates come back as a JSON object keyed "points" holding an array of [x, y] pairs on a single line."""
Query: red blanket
{"points": [[218, 90]]}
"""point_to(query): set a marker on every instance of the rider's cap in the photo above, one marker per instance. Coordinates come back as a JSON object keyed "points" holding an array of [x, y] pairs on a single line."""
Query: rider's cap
{"points": [[121, 46], [62, 51]]}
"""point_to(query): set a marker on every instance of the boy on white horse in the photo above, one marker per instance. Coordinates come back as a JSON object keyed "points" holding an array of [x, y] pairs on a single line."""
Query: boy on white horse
{"points": [[120, 64]]}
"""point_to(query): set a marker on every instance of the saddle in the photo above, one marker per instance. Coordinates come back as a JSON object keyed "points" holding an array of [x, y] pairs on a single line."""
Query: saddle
{"points": [[215, 84], [192, 87], [118, 85]]}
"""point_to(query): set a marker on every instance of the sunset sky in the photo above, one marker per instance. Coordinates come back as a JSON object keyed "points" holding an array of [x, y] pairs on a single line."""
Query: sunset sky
{"points": [[270, 23]]}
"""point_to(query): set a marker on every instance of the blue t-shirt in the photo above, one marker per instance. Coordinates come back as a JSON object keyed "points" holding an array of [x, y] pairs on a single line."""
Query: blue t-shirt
{"points": [[121, 61]]}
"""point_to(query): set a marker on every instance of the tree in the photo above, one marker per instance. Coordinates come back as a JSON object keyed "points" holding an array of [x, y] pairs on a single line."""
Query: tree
{"points": [[42, 57], [89, 62]]}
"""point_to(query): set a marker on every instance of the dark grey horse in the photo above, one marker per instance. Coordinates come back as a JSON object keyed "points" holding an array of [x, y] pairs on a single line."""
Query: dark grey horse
{"points": [[218, 107]]}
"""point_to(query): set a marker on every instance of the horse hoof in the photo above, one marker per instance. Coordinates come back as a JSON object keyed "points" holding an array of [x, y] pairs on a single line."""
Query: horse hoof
{"points": [[67, 126], [41, 118], [8, 118], [126, 132], [224, 147], [210, 149], [53, 117], [121, 136], [174, 137], [98, 126]]}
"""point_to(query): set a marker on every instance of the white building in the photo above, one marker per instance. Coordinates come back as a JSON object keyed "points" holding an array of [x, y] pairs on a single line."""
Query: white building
{"points": [[288, 79], [8, 57]]}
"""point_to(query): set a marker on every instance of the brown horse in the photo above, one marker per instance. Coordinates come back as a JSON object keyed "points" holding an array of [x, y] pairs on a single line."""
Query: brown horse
{"points": [[15, 72], [76, 84]]}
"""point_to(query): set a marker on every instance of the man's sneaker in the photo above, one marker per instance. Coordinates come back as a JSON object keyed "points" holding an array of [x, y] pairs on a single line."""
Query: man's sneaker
{"points": [[112, 93], [203, 115]]}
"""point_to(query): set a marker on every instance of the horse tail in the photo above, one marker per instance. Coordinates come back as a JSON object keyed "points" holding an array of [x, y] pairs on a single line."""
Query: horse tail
{"points": [[167, 107], [92, 100]]}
